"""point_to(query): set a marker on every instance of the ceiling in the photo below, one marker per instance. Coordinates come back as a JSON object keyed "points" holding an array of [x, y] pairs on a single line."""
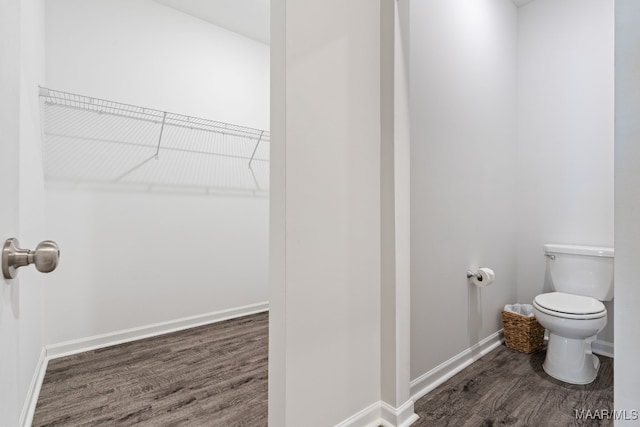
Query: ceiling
{"points": [[521, 3], [247, 17]]}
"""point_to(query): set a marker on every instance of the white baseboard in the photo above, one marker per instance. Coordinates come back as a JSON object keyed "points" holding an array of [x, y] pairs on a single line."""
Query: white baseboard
{"points": [[382, 414], [604, 348], [368, 417], [113, 338], [403, 416], [29, 407], [432, 379]]}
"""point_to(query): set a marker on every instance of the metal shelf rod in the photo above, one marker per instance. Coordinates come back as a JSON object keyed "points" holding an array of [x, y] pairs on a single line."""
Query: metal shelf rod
{"points": [[92, 140], [137, 144]]}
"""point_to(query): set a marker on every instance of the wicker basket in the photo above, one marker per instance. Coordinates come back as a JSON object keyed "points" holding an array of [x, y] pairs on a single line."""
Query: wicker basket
{"points": [[522, 333]]}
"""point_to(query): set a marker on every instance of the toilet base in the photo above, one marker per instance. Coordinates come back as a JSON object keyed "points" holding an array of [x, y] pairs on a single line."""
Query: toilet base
{"points": [[571, 360]]}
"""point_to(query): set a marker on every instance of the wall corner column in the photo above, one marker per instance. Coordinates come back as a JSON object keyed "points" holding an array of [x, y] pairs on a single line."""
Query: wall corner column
{"points": [[397, 405]]}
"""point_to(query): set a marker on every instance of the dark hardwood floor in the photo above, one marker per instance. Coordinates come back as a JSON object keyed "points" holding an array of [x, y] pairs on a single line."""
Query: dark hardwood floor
{"points": [[507, 388], [214, 375]]}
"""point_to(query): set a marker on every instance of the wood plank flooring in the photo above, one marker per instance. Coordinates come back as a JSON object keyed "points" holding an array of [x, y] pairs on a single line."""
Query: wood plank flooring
{"points": [[214, 375], [507, 388]]}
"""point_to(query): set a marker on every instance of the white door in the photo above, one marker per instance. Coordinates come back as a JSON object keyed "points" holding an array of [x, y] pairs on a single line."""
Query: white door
{"points": [[21, 198], [9, 204]]}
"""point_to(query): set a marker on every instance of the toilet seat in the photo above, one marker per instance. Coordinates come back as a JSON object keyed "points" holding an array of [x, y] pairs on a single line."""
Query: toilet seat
{"points": [[570, 306]]}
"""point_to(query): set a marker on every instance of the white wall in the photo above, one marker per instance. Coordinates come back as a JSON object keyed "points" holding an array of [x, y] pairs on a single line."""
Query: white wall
{"points": [[141, 52], [463, 152], [627, 208], [565, 133], [325, 188], [131, 258]]}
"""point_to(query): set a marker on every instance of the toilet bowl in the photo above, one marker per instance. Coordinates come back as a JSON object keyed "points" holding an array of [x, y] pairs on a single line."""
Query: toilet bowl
{"points": [[573, 322], [582, 277]]}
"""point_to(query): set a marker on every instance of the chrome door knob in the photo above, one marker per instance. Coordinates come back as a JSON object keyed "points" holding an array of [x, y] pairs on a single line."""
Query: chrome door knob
{"points": [[45, 257]]}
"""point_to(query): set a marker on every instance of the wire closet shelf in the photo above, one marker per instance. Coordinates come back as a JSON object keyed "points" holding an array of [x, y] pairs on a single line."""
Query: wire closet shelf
{"points": [[96, 141]]}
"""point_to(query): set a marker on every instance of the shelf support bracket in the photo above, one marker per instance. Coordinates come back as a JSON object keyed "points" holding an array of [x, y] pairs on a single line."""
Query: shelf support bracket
{"points": [[136, 167], [255, 181], [164, 119], [255, 148]]}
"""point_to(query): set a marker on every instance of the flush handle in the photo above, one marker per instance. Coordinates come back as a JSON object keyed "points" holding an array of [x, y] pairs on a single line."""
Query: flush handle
{"points": [[550, 256], [45, 257]]}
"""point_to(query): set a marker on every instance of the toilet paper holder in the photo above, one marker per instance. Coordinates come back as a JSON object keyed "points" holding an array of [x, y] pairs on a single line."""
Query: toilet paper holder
{"points": [[471, 274], [484, 276]]}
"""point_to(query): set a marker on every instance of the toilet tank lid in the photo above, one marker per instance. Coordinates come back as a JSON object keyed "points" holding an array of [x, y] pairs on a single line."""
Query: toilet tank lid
{"points": [[601, 251]]}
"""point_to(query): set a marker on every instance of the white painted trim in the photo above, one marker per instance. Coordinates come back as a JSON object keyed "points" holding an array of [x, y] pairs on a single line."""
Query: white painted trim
{"points": [[368, 417], [403, 416], [382, 414], [114, 338], [432, 379], [604, 348], [29, 407]]}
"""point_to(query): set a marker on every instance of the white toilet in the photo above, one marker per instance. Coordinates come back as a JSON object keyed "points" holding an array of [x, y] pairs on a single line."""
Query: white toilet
{"points": [[582, 277]]}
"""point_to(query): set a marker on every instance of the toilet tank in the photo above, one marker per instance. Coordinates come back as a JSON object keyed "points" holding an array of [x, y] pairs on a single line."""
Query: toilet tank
{"points": [[581, 270]]}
